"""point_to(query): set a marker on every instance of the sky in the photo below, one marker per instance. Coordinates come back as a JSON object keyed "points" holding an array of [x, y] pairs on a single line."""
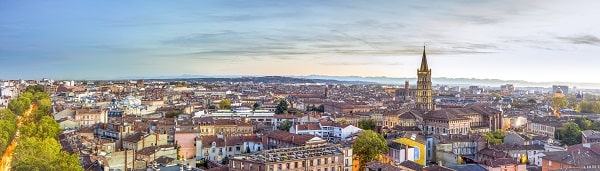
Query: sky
{"points": [[539, 41]]}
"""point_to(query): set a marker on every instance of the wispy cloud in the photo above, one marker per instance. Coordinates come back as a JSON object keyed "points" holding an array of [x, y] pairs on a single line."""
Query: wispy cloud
{"points": [[582, 39]]}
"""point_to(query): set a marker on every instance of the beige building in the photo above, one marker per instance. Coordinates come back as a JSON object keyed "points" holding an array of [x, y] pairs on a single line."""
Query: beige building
{"points": [[325, 157], [210, 126], [141, 140], [90, 116]]}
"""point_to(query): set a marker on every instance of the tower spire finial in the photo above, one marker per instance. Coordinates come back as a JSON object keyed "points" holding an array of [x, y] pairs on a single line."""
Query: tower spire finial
{"points": [[424, 66]]}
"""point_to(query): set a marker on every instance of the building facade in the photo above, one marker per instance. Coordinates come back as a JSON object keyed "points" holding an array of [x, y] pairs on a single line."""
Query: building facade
{"points": [[324, 157]]}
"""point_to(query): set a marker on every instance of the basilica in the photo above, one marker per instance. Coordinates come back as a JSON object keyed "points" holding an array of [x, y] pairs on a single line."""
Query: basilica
{"points": [[473, 118]]}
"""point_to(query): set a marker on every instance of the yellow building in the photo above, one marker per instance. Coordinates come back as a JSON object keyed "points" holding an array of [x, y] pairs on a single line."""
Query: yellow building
{"points": [[418, 143]]}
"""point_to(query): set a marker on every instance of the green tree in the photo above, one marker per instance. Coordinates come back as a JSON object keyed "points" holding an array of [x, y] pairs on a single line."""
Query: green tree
{"points": [[19, 105], [496, 137], [496, 96], [321, 108], [225, 104], [285, 125], [367, 124], [255, 106], [282, 106], [586, 124], [343, 121], [35, 88], [225, 160], [558, 103], [569, 134], [247, 149], [531, 101], [368, 146]]}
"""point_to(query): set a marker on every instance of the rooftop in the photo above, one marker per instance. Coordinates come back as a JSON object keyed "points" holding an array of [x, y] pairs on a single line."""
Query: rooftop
{"points": [[294, 153]]}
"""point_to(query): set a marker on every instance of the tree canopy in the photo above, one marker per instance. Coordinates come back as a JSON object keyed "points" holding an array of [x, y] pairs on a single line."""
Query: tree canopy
{"points": [[38, 147], [282, 106], [588, 107], [496, 137], [285, 125], [225, 104], [368, 146], [367, 124], [569, 134], [559, 102]]}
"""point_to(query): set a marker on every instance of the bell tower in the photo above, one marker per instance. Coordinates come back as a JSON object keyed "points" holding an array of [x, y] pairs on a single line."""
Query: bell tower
{"points": [[424, 92]]}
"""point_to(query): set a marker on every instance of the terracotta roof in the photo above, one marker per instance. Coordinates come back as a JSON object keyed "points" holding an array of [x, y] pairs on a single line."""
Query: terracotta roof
{"points": [[499, 162], [289, 137], [491, 153], [308, 126], [286, 116], [134, 137], [507, 147], [437, 168], [443, 115], [576, 158], [377, 165], [580, 147], [411, 165]]}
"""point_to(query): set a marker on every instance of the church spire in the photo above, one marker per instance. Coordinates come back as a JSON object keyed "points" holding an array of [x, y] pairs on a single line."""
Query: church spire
{"points": [[424, 66]]}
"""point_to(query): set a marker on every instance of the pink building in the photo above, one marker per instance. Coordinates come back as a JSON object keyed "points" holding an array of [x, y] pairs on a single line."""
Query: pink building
{"points": [[186, 141]]}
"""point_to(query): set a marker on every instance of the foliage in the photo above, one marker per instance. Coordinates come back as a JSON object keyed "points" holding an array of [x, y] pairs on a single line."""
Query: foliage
{"points": [[343, 121], [8, 125], [225, 160], [255, 106], [247, 149], [531, 101], [225, 104], [19, 105], [38, 147], [588, 107], [368, 146], [285, 125], [320, 108], [367, 124], [212, 107], [559, 102], [569, 134], [35, 88], [282, 106], [33, 153], [496, 96], [587, 124], [496, 137], [179, 84]]}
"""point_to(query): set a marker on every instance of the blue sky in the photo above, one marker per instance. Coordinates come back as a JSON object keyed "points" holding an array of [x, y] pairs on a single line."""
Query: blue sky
{"points": [[517, 40]]}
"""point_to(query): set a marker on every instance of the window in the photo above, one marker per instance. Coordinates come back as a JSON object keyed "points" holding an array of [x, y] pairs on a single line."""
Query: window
{"points": [[230, 148], [295, 165], [311, 163], [326, 161], [318, 162], [287, 165]]}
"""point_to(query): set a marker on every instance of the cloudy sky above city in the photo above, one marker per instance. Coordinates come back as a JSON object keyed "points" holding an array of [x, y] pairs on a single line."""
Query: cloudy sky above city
{"points": [[537, 41]]}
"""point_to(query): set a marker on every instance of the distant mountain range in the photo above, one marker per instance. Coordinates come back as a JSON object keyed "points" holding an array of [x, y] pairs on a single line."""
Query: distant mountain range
{"points": [[453, 81], [366, 80]]}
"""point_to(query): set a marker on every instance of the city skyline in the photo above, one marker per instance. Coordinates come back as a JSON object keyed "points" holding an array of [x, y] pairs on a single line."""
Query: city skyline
{"points": [[539, 41]]}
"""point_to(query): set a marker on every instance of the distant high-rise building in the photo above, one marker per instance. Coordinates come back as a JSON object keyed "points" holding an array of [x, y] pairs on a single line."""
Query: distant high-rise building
{"points": [[563, 88], [424, 92]]}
